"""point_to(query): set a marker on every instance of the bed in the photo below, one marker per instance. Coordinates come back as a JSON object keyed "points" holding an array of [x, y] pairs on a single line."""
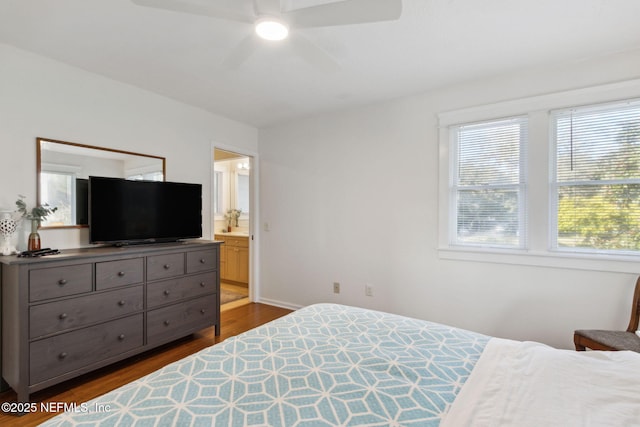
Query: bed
{"points": [[334, 365]]}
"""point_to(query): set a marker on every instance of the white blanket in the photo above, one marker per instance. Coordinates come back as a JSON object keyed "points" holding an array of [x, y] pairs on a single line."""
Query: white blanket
{"points": [[530, 384]]}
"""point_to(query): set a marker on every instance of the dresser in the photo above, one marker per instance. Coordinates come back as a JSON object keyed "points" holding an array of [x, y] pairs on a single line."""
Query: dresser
{"points": [[68, 314]]}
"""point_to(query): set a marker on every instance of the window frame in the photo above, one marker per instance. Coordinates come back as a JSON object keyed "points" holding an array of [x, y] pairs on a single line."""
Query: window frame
{"points": [[539, 250], [70, 178], [555, 184], [520, 186]]}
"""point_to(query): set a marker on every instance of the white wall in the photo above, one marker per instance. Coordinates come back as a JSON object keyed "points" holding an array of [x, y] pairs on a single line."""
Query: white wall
{"points": [[337, 211], [44, 98]]}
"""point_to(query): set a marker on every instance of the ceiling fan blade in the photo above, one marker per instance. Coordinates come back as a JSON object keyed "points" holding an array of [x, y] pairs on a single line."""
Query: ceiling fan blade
{"points": [[346, 12], [313, 54], [242, 52], [197, 7], [266, 7]]}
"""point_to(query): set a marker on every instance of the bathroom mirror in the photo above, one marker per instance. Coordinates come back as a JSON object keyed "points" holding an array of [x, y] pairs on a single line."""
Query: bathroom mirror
{"points": [[63, 169], [231, 182]]}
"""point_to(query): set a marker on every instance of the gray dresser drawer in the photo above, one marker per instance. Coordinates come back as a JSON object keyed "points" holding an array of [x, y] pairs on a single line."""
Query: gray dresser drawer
{"points": [[165, 324], [123, 272], [73, 313], [165, 266], [66, 352], [168, 291], [202, 261], [54, 282]]}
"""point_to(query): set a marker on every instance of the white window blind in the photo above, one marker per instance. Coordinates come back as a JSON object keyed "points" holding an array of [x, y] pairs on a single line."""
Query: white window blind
{"points": [[488, 183], [596, 185]]}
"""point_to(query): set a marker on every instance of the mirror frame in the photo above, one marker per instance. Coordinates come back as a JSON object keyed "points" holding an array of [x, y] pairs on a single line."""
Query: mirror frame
{"points": [[39, 142]]}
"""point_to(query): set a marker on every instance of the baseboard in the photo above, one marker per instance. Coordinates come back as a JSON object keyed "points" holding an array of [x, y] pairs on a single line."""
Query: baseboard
{"points": [[281, 304]]}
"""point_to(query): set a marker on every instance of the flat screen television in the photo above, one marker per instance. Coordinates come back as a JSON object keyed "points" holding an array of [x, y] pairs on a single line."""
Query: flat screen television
{"points": [[125, 212]]}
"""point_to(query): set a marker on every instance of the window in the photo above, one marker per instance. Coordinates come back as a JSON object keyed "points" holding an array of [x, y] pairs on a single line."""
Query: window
{"points": [[488, 183], [576, 200], [59, 189], [596, 180]]}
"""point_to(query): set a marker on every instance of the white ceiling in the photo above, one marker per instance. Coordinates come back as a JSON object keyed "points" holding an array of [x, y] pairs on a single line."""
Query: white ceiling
{"points": [[435, 43]]}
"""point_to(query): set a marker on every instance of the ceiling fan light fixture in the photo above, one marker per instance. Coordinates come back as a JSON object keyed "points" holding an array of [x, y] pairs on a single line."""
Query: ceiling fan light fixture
{"points": [[270, 28]]}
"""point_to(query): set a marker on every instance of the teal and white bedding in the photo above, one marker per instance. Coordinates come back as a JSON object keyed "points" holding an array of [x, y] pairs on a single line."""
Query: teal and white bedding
{"points": [[323, 365], [332, 365]]}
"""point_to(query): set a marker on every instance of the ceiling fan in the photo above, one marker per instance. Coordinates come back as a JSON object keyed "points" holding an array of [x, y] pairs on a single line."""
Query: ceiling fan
{"points": [[276, 20]]}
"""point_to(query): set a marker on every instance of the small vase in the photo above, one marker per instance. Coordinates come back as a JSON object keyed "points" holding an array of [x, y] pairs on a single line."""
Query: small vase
{"points": [[229, 228], [8, 229], [34, 238]]}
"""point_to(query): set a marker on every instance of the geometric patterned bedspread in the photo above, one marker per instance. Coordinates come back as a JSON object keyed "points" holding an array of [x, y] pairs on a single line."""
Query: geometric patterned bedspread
{"points": [[323, 365]]}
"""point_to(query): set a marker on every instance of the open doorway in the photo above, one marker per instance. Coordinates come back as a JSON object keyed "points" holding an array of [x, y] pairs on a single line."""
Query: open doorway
{"points": [[232, 224]]}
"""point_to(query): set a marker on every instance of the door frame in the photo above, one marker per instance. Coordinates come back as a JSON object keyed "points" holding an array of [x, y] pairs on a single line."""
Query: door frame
{"points": [[254, 211]]}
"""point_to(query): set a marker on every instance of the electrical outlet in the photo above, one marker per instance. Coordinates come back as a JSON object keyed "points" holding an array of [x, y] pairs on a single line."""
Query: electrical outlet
{"points": [[336, 287], [368, 290]]}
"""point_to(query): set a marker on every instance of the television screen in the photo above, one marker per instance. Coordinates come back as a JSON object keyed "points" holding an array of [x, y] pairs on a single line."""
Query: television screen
{"points": [[124, 212]]}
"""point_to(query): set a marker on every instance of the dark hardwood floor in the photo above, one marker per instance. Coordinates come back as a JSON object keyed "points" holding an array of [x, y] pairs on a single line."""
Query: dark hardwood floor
{"points": [[94, 384]]}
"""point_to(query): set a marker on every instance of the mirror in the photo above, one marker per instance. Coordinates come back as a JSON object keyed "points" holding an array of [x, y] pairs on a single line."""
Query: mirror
{"points": [[63, 170], [231, 182]]}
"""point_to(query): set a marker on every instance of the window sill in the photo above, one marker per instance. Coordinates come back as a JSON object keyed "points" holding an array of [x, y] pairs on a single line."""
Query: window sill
{"points": [[564, 260]]}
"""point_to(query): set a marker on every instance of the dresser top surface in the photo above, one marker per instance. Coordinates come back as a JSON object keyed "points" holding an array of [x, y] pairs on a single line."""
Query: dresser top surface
{"points": [[104, 251]]}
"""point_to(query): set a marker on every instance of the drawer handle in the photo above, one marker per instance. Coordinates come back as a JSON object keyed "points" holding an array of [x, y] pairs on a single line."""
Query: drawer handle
{"points": [[166, 292], [121, 273], [62, 355], [63, 316], [62, 282], [121, 303], [202, 260], [166, 323], [202, 311], [121, 337], [202, 284], [166, 266], [236, 250]]}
